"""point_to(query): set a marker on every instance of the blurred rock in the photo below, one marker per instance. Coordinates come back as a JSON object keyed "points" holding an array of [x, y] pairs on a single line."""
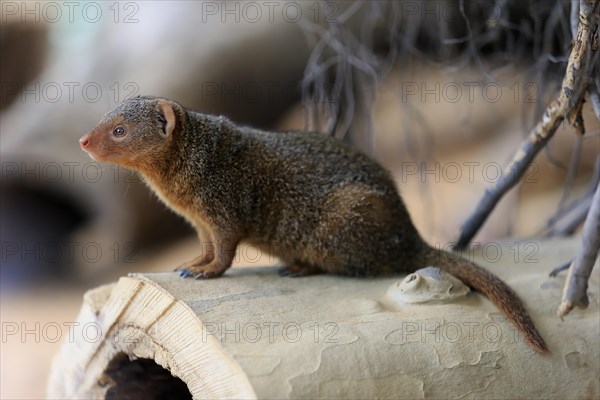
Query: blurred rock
{"points": [[19, 67]]}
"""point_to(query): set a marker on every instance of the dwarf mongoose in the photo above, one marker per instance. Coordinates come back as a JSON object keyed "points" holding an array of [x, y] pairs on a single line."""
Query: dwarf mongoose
{"points": [[317, 204]]}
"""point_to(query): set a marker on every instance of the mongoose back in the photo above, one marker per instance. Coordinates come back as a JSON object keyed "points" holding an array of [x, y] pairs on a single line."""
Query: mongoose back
{"points": [[317, 204]]}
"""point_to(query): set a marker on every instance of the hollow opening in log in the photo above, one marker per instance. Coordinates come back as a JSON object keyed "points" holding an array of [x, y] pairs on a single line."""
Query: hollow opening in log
{"points": [[141, 379]]}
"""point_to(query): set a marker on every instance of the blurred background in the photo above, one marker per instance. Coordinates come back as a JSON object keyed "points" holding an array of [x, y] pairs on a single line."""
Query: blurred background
{"points": [[440, 92]]}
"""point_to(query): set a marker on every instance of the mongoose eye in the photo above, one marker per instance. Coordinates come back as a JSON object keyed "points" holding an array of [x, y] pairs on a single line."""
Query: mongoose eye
{"points": [[119, 131]]}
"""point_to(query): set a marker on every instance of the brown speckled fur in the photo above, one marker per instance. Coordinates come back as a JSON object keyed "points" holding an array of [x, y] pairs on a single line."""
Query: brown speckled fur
{"points": [[316, 203]]}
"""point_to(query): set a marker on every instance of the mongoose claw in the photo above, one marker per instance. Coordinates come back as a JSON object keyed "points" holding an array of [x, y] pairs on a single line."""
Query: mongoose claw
{"points": [[184, 273], [208, 274]]}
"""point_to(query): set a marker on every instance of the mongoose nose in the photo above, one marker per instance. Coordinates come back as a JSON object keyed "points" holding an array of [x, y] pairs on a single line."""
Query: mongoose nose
{"points": [[83, 142]]}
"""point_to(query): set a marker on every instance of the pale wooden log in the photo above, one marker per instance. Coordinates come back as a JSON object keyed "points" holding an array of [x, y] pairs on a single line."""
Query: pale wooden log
{"points": [[252, 334]]}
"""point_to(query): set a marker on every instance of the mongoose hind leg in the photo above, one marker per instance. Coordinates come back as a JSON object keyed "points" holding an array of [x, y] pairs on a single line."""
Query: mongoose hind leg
{"points": [[355, 236], [297, 269]]}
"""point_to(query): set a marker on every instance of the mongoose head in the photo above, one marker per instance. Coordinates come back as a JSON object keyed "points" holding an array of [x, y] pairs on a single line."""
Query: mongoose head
{"points": [[137, 133]]}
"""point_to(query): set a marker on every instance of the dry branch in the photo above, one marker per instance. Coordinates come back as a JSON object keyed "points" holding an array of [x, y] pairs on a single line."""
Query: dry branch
{"points": [[567, 104], [575, 290]]}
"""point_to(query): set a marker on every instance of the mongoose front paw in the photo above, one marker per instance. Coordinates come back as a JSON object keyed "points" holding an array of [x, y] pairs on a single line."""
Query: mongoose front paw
{"points": [[201, 272], [202, 259]]}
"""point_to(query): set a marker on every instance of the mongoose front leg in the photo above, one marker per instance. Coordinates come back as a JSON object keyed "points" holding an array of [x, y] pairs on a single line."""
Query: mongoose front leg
{"points": [[203, 259], [207, 249], [224, 252]]}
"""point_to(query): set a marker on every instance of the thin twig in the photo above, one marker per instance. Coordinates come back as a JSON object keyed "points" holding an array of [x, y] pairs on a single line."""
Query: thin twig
{"points": [[574, 87], [560, 269], [568, 217], [574, 218]]}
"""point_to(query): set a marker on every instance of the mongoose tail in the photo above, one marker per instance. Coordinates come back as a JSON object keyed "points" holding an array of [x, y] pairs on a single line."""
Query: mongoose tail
{"points": [[495, 290]]}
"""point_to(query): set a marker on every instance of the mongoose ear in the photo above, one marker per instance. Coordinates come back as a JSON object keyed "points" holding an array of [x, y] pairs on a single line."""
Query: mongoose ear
{"points": [[166, 117]]}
